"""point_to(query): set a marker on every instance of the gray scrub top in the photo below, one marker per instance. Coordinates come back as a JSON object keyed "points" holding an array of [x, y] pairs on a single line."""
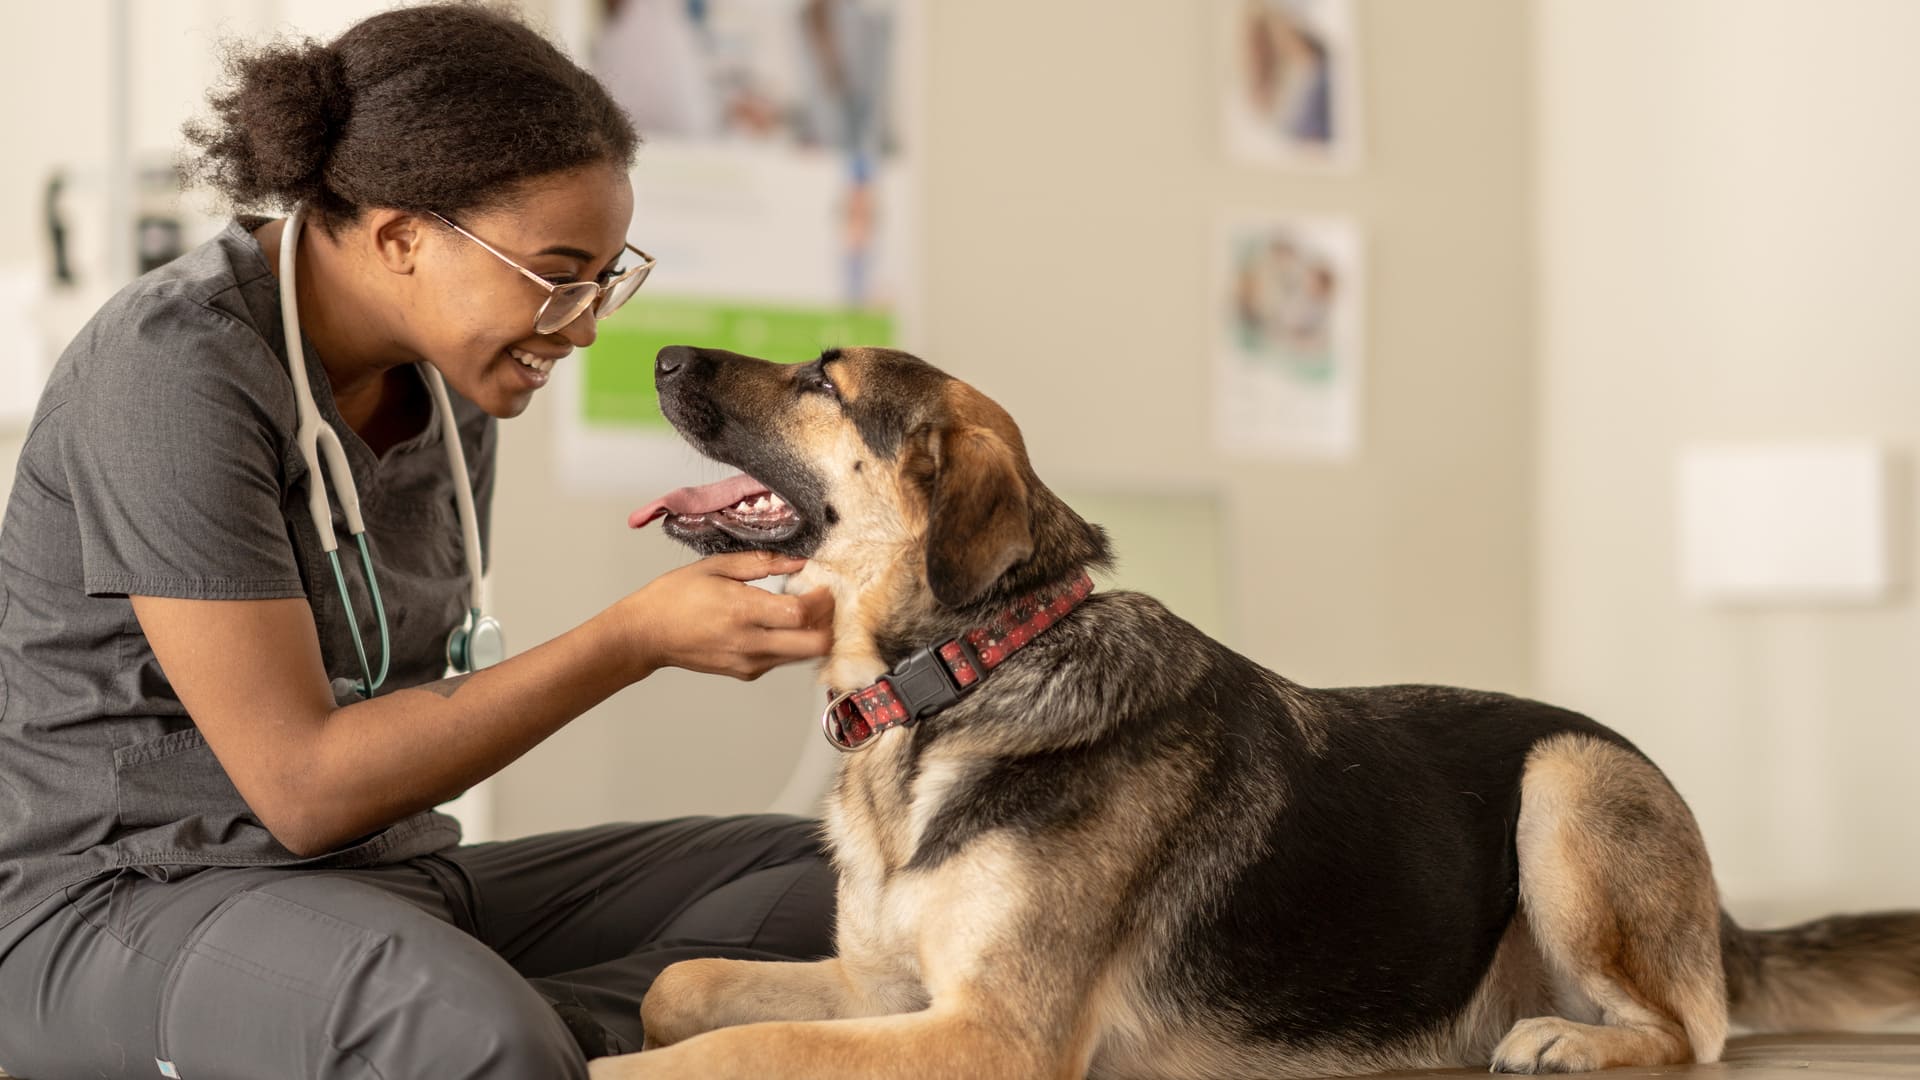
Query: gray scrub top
{"points": [[161, 462]]}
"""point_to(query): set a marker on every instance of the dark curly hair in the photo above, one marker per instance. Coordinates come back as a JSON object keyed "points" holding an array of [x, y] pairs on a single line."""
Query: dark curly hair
{"points": [[445, 107]]}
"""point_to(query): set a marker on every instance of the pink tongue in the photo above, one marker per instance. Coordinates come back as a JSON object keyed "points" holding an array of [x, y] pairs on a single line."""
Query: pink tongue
{"points": [[704, 499]]}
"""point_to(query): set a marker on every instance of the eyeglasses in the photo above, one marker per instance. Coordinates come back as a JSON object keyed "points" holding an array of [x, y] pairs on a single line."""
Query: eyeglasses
{"points": [[568, 302]]}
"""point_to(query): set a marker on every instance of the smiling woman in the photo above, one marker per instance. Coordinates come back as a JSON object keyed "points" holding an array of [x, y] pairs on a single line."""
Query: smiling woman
{"points": [[527, 152], [199, 790]]}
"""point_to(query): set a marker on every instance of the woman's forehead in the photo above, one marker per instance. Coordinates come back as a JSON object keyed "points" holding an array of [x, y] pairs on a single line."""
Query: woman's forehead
{"points": [[582, 213]]}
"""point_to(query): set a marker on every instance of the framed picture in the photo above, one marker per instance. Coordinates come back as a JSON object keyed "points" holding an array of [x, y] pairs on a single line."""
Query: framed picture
{"points": [[775, 185], [1289, 97], [1288, 349]]}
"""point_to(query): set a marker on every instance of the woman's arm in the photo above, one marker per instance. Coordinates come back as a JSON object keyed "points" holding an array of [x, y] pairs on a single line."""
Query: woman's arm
{"points": [[250, 675]]}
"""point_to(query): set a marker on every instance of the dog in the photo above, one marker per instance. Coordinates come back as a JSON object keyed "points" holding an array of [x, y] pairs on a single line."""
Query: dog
{"points": [[1128, 852]]}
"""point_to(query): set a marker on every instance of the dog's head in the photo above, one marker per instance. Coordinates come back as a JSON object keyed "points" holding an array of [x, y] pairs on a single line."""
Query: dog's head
{"points": [[901, 484]]}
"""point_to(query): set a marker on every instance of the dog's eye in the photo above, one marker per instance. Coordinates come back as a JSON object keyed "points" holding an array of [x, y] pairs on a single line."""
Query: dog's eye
{"points": [[815, 381]]}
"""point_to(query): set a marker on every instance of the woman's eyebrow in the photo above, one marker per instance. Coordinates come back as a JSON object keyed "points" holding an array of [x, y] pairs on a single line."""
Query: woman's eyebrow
{"points": [[581, 256], [569, 252]]}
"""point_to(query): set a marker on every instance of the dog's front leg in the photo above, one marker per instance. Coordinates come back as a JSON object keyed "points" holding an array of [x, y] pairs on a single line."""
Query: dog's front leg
{"points": [[696, 996], [928, 1045]]}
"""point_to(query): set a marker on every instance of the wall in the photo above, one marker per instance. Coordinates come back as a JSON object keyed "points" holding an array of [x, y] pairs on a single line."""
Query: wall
{"points": [[1073, 182], [1727, 251], [1723, 247]]}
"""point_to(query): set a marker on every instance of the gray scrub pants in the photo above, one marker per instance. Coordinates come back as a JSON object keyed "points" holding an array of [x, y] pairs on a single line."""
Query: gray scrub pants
{"points": [[451, 966]]}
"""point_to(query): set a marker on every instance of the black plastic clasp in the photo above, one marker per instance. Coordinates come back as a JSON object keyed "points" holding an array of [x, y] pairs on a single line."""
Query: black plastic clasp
{"points": [[922, 684]]}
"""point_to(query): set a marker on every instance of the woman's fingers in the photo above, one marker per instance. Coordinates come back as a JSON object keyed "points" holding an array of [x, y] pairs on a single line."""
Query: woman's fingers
{"points": [[809, 610], [716, 624], [776, 647], [751, 565]]}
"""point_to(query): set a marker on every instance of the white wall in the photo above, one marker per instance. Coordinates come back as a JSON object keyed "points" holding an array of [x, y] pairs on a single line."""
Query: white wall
{"points": [[1729, 244]]}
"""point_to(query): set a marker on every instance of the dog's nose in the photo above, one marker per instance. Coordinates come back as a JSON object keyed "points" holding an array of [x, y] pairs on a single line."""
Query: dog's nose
{"points": [[671, 361]]}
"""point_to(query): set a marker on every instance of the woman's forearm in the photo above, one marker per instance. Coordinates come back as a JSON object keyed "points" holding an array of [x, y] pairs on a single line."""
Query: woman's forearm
{"points": [[377, 761]]}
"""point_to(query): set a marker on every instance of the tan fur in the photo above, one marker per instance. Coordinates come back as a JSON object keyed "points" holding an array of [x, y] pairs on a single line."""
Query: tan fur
{"points": [[1615, 884], [991, 1014]]}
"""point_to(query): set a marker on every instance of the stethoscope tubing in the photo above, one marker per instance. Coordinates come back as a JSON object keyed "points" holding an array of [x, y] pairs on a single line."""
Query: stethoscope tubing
{"points": [[316, 438]]}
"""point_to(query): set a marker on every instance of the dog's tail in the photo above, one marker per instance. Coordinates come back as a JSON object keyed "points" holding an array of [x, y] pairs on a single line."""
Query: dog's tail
{"points": [[1841, 973]]}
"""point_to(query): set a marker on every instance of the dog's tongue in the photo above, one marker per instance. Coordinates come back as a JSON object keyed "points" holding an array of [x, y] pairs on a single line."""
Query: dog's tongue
{"points": [[704, 499]]}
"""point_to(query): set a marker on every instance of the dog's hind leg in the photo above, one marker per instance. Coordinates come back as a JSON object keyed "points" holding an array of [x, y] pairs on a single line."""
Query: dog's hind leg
{"points": [[1617, 890]]}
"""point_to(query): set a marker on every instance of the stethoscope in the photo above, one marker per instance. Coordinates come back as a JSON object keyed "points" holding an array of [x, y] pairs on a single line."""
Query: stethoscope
{"points": [[477, 642]]}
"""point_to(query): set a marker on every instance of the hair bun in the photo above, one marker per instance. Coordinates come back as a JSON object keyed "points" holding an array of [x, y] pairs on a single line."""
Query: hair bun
{"points": [[451, 107], [275, 124]]}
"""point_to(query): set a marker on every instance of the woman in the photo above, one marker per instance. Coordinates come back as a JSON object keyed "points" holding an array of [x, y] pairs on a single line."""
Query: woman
{"points": [[218, 856]]}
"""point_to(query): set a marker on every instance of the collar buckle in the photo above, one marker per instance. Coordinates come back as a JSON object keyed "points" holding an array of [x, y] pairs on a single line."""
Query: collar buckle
{"points": [[934, 677], [923, 684]]}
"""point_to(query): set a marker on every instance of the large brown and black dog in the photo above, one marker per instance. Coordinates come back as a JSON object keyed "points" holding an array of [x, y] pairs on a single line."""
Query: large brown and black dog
{"points": [[1131, 852]]}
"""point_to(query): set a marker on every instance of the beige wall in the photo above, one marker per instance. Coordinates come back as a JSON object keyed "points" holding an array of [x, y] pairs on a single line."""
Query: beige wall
{"points": [[1723, 249], [1073, 182], [1727, 251]]}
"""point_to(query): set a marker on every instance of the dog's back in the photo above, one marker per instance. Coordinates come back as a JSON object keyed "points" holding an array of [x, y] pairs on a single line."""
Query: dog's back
{"points": [[1340, 871]]}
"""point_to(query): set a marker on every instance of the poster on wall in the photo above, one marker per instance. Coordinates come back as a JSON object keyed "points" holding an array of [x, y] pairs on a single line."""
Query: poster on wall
{"points": [[773, 185], [1289, 96], [1287, 366]]}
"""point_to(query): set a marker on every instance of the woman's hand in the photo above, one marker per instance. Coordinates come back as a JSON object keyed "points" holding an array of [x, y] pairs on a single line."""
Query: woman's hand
{"points": [[702, 617]]}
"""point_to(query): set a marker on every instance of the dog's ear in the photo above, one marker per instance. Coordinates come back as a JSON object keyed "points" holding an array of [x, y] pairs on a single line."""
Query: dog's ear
{"points": [[980, 521]]}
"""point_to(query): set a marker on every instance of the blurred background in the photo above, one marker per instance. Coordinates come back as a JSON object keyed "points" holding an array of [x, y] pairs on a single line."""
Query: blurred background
{"points": [[1561, 348]]}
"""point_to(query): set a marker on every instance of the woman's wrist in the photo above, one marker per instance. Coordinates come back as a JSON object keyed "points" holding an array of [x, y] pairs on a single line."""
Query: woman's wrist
{"points": [[626, 637]]}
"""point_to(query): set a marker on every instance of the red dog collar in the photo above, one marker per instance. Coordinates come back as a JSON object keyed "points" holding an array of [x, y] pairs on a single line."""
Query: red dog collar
{"points": [[936, 676]]}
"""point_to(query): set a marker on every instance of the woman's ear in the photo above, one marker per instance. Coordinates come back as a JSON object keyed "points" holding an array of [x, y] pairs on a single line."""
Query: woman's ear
{"points": [[980, 521], [394, 238]]}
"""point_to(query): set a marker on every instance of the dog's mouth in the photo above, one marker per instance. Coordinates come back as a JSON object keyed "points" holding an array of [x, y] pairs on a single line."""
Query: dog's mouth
{"points": [[739, 506]]}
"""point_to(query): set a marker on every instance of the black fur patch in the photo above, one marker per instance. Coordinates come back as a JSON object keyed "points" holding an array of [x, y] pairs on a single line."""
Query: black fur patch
{"points": [[1387, 873]]}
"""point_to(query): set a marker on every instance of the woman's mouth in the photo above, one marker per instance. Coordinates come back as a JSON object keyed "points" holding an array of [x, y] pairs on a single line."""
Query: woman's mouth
{"points": [[534, 369], [541, 364]]}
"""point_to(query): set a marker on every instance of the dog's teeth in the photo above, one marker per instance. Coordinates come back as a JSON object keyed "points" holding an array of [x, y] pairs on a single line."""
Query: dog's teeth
{"points": [[760, 503], [775, 501]]}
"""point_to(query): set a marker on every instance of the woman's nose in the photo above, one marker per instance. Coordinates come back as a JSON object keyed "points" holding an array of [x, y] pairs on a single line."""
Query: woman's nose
{"points": [[582, 330]]}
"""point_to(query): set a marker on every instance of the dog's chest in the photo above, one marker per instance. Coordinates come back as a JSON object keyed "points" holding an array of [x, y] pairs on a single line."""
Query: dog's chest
{"points": [[878, 816]]}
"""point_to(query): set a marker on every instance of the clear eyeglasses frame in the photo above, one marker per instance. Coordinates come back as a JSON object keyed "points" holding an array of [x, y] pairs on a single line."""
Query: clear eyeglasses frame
{"points": [[568, 302]]}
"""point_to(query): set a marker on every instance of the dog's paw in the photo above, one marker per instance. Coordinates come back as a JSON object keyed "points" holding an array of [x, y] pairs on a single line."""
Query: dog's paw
{"points": [[1546, 1044], [687, 999]]}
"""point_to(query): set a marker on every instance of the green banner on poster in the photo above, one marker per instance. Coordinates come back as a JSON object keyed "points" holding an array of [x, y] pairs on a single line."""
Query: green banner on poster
{"points": [[619, 366]]}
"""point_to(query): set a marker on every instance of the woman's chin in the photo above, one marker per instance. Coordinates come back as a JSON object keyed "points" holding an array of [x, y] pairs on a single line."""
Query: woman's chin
{"points": [[504, 391]]}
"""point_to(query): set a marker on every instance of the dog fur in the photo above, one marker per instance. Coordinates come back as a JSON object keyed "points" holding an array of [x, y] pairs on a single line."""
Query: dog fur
{"points": [[1133, 853]]}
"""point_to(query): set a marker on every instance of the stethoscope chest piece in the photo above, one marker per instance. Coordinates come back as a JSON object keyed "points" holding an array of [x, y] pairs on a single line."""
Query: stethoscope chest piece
{"points": [[477, 643]]}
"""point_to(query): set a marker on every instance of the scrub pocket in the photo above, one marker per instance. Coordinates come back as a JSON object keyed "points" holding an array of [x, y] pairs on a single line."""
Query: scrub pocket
{"points": [[256, 985], [173, 778]]}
